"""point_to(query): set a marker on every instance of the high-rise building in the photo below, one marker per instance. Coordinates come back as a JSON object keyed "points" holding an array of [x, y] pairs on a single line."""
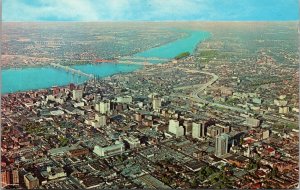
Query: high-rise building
{"points": [[30, 181], [77, 95], [221, 146], [175, 129], [179, 131], [101, 119], [5, 178], [15, 176], [173, 125], [188, 124], [104, 107], [156, 103], [197, 130]]}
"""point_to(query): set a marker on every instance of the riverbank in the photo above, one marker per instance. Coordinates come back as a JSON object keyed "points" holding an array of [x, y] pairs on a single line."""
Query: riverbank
{"points": [[43, 76], [72, 62]]}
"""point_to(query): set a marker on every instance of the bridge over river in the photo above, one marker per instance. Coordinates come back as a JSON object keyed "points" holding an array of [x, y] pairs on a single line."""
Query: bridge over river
{"points": [[140, 60], [71, 70], [124, 60]]}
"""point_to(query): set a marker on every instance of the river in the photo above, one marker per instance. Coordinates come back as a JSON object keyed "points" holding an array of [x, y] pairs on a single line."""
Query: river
{"points": [[23, 79]]}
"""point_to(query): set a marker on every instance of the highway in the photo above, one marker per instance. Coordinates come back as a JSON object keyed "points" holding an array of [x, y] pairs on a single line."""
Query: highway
{"points": [[195, 96]]}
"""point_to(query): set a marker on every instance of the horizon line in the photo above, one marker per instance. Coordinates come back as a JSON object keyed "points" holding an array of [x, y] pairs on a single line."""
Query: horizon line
{"points": [[155, 21]]}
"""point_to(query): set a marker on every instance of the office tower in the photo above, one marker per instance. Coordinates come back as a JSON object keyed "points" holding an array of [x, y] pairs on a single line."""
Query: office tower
{"points": [[5, 178], [104, 107], [221, 146], [156, 103], [173, 125], [102, 121], [15, 176], [197, 130], [179, 131]]}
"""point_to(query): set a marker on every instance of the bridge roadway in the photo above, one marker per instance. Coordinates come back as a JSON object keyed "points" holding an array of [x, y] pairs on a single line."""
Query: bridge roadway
{"points": [[71, 70], [144, 58], [134, 62]]}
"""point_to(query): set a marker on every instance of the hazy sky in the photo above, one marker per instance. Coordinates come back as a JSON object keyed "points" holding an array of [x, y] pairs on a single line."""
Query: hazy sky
{"points": [[149, 10]]}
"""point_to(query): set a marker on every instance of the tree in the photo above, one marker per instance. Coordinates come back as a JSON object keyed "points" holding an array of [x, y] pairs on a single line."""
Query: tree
{"points": [[182, 55]]}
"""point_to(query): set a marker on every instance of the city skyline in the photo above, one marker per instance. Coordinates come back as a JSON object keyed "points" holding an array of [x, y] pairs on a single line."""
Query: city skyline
{"points": [[150, 94]]}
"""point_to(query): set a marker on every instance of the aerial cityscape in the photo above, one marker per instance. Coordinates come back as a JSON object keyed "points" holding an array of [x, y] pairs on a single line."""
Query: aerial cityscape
{"points": [[154, 105]]}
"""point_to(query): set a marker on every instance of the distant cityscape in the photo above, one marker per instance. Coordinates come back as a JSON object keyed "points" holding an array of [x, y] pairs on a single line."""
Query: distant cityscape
{"points": [[223, 115]]}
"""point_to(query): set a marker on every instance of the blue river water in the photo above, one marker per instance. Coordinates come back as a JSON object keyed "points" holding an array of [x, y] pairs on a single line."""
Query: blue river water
{"points": [[23, 79]]}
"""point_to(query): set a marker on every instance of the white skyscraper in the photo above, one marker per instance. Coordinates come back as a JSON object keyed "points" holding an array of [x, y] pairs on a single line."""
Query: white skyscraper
{"points": [[173, 125], [156, 103], [180, 131], [175, 129], [196, 130], [104, 107]]}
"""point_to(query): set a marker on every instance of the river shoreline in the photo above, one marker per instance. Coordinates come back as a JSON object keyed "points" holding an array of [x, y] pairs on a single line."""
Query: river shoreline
{"points": [[190, 42], [39, 65]]}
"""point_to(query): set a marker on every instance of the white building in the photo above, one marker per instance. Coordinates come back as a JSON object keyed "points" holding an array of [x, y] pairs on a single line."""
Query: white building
{"points": [[109, 150], [284, 110], [77, 95], [180, 131], [175, 129], [221, 146], [173, 125], [133, 142], [156, 104], [124, 99], [252, 122], [280, 102], [104, 107], [196, 130], [101, 120]]}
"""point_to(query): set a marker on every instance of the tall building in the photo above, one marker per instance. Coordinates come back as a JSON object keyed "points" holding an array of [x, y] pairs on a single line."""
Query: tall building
{"points": [[104, 107], [197, 130], [175, 129], [156, 103], [179, 131], [101, 119], [221, 146], [15, 176], [173, 125], [31, 182], [77, 95], [5, 178]]}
